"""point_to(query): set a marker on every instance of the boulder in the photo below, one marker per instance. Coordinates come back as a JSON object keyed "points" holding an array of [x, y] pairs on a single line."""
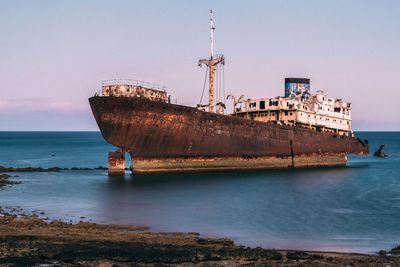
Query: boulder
{"points": [[380, 153]]}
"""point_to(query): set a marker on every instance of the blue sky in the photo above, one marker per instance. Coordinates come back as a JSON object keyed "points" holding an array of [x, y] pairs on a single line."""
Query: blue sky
{"points": [[54, 54]]}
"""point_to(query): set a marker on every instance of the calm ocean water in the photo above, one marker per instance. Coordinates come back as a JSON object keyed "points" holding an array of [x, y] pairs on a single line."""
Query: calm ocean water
{"points": [[354, 208]]}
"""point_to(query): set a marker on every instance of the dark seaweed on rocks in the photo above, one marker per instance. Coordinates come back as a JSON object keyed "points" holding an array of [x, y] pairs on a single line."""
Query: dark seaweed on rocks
{"points": [[301, 255], [65, 250]]}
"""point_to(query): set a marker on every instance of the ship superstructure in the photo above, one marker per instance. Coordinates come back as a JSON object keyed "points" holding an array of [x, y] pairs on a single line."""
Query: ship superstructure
{"points": [[301, 108], [299, 129]]}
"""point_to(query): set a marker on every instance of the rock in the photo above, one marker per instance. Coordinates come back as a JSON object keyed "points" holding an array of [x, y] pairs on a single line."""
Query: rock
{"points": [[101, 168], [215, 241], [297, 255], [4, 180], [29, 169], [395, 251], [57, 223], [380, 153]]}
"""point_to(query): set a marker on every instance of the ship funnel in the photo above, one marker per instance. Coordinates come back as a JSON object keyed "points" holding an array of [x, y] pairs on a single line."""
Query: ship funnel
{"points": [[296, 86]]}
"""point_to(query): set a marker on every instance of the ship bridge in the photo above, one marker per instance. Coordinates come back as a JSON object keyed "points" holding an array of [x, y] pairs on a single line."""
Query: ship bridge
{"points": [[317, 111]]}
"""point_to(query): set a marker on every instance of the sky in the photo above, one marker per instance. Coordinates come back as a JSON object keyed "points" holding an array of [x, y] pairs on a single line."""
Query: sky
{"points": [[54, 54]]}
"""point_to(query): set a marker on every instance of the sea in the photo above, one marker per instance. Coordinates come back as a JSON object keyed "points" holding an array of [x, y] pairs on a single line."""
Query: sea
{"points": [[349, 209]]}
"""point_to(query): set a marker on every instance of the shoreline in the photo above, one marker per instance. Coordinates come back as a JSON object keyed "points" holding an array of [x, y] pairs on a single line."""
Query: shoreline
{"points": [[27, 240]]}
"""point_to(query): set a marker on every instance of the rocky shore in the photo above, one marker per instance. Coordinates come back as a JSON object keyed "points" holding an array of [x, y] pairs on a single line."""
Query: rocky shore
{"points": [[27, 241], [5, 180]]}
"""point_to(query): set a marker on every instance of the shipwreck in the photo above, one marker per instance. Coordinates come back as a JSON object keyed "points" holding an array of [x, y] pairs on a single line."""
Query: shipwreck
{"points": [[298, 129]]}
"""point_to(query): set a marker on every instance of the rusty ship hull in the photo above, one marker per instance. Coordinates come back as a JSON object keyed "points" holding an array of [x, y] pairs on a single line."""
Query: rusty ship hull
{"points": [[161, 136]]}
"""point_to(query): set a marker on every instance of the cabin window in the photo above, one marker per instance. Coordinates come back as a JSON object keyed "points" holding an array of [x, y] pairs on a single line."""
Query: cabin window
{"points": [[262, 104], [273, 103], [286, 113]]}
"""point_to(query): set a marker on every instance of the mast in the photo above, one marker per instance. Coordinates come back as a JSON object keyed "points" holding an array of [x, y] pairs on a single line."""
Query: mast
{"points": [[211, 63], [212, 29]]}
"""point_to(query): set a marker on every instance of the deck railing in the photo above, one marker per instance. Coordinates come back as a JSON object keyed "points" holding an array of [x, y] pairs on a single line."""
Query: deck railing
{"points": [[133, 83]]}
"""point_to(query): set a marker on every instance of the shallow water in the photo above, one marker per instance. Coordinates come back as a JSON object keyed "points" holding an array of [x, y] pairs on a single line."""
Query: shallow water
{"points": [[354, 208]]}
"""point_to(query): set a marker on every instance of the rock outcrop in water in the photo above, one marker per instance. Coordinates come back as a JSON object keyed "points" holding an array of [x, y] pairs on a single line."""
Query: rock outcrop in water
{"points": [[5, 180], [51, 169], [29, 169], [380, 153]]}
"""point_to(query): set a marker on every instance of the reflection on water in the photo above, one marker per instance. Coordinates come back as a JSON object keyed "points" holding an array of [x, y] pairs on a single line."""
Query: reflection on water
{"points": [[354, 208]]}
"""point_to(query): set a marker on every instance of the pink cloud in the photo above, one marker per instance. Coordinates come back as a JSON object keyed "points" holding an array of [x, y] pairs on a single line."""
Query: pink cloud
{"points": [[41, 105], [7, 105], [67, 107]]}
